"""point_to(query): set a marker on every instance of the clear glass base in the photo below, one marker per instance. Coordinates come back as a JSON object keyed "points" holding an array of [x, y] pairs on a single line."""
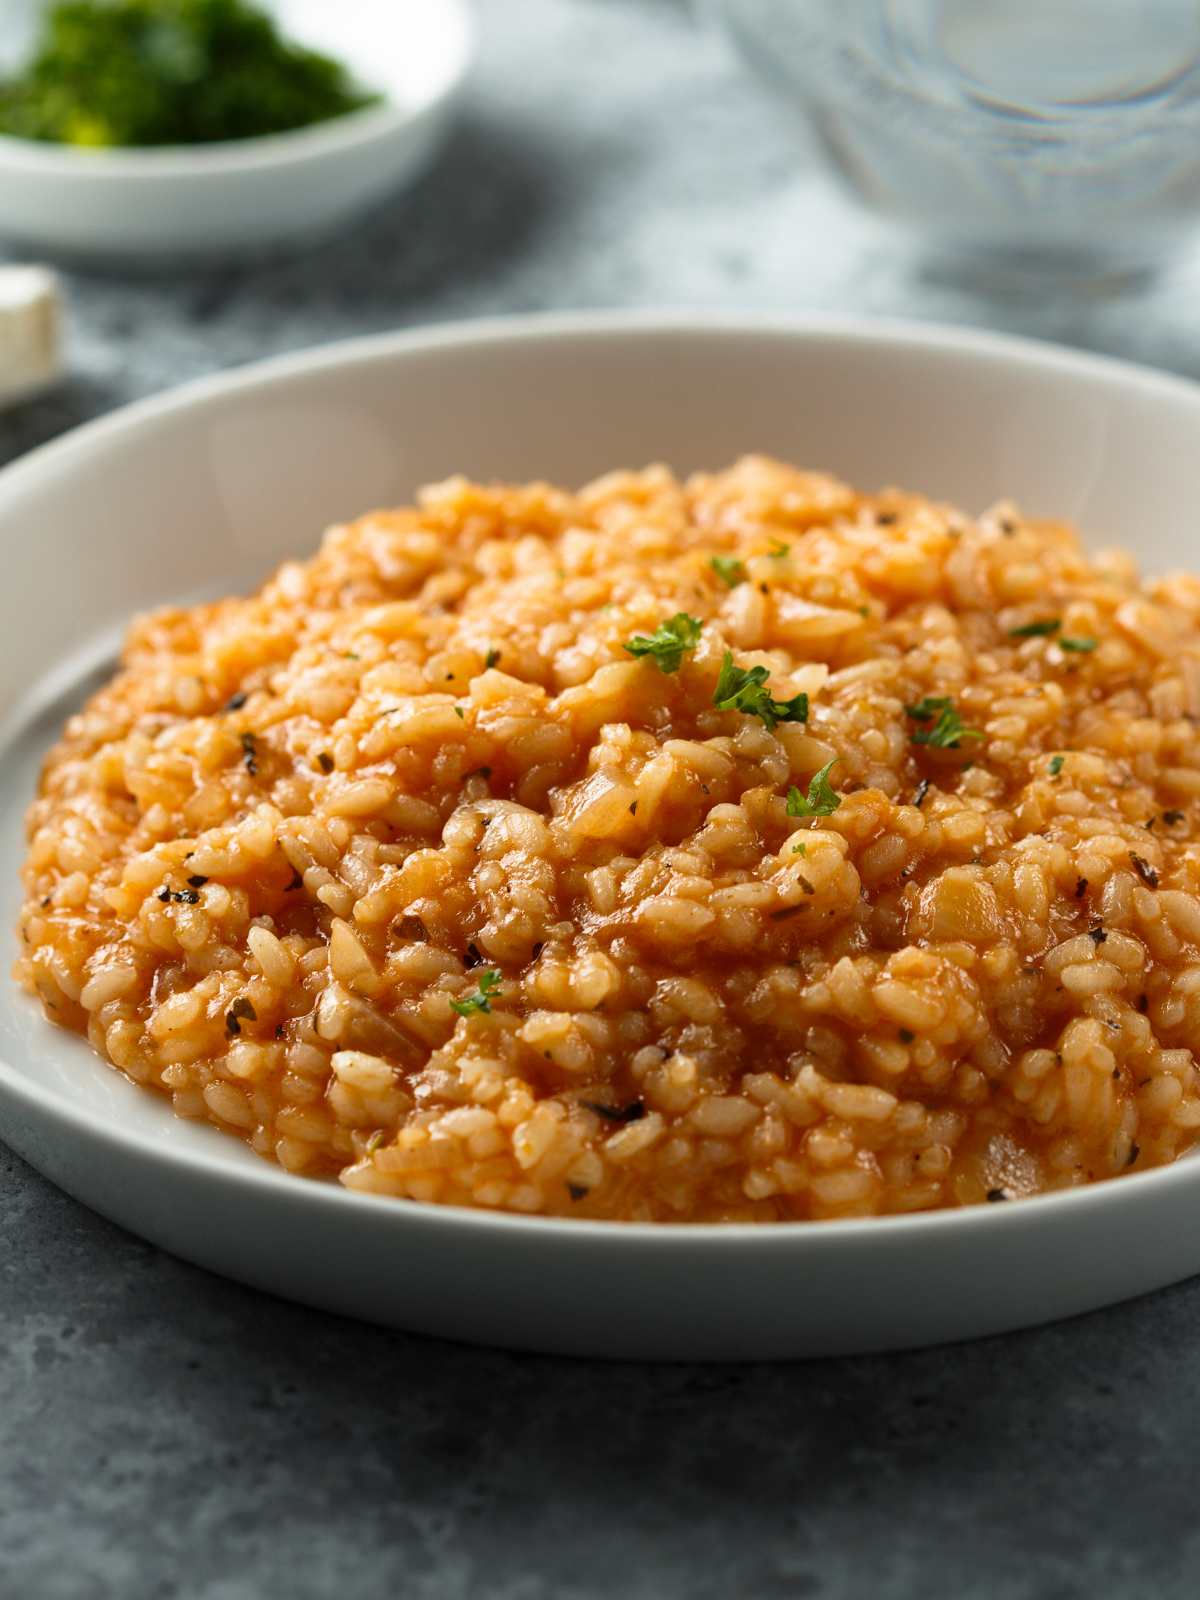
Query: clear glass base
{"points": [[1036, 140]]}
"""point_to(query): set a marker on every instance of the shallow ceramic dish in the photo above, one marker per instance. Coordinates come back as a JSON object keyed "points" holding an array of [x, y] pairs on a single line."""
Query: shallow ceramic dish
{"points": [[163, 207], [206, 490]]}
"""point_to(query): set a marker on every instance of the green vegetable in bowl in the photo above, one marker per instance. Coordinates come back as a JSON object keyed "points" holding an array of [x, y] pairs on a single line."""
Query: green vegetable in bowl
{"points": [[169, 72]]}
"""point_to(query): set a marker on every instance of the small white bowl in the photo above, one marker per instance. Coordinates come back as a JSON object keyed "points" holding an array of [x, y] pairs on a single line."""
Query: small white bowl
{"points": [[205, 490], [185, 204]]}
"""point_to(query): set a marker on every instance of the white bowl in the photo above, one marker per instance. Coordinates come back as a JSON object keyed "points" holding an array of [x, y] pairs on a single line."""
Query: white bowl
{"points": [[205, 490], [169, 205]]}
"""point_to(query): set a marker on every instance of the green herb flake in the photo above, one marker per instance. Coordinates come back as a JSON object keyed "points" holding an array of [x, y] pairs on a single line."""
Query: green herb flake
{"points": [[741, 689], [821, 799], [459, 713], [778, 550], [1036, 630], [481, 1000], [800, 849], [490, 660], [946, 729], [1056, 765], [669, 642], [1082, 646], [729, 569]]}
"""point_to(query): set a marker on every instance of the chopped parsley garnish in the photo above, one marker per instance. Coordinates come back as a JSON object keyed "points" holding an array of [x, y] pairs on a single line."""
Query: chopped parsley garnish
{"points": [[481, 1000], [744, 690], [1036, 630], [821, 799], [925, 708], [946, 730], [729, 569], [169, 72], [1082, 646], [1056, 765], [669, 642], [800, 849], [491, 658], [459, 713], [778, 550]]}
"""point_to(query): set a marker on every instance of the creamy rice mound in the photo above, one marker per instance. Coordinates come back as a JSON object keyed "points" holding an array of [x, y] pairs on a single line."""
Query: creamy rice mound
{"points": [[408, 873]]}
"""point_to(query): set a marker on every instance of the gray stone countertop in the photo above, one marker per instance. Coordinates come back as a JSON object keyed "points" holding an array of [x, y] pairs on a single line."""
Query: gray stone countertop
{"points": [[164, 1433]]}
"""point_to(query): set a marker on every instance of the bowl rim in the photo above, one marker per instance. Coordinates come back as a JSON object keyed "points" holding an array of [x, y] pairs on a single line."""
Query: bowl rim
{"points": [[348, 131], [79, 445]]}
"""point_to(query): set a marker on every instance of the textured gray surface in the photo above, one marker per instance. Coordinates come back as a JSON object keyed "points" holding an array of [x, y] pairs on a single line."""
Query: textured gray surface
{"points": [[163, 1433]]}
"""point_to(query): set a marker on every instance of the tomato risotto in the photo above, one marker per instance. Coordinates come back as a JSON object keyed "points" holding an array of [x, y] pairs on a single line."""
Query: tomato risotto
{"points": [[739, 848]]}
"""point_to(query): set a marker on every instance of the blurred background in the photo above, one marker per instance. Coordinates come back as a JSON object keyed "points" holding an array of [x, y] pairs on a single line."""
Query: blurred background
{"points": [[1030, 167]]}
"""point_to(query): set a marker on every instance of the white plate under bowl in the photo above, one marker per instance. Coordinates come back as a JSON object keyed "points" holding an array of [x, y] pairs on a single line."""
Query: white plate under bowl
{"points": [[206, 489], [197, 203]]}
